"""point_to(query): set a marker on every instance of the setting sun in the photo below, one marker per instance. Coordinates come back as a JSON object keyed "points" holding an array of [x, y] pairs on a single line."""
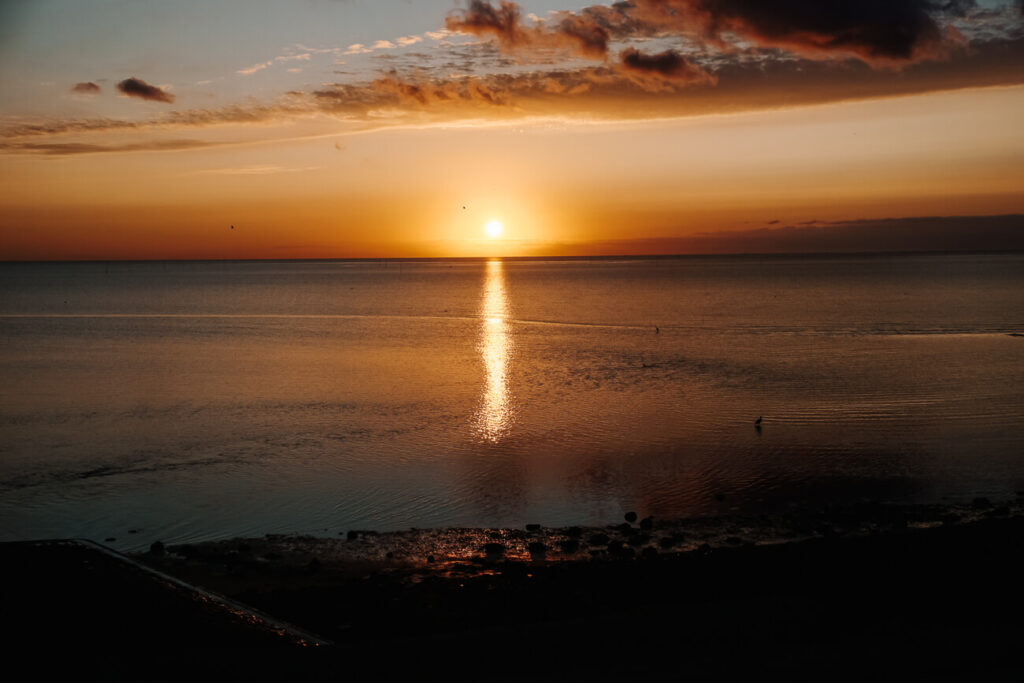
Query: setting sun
{"points": [[493, 228]]}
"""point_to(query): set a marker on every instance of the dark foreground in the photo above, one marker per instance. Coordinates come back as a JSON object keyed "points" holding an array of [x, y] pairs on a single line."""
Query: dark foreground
{"points": [[926, 595]]}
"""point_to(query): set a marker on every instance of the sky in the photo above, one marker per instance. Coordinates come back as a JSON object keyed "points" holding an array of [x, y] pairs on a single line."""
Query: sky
{"points": [[146, 129]]}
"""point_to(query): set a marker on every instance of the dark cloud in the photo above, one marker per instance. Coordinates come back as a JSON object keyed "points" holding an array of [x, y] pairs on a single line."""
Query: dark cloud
{"points": [[913, 234], [87, 88], [482, 19], [135, 87], [876, 31], [579, 33], [668, 66], [879, 32]]}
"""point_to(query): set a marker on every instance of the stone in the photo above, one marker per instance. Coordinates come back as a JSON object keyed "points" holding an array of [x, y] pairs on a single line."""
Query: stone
{"points": [[569, 546], [630, 517], [494, 550]]}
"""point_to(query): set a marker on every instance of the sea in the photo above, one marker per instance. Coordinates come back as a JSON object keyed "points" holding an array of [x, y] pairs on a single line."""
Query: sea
{"points": [[192, 401]]}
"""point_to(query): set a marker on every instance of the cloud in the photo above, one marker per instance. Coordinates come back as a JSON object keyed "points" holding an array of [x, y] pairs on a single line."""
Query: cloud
{"points": [[357, 49], [88, 88], [909, 234], [577, 33], [406, 41], [663, 66], [878, 32], [76, 148], [135, 87], [254, 68], [255, 170], [382, 45]]}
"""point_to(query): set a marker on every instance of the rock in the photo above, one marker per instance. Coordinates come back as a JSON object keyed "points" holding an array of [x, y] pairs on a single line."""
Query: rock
{"points": [[157, 548], [537, 550], [647, 523], [109, 540], [352, 535], [624, 528], [598, 539], [390, 555], [631, 517], [494, 550], [639, 540], [574, 532], [667, 542], [569, 546], [430, 559], [533, 527]]}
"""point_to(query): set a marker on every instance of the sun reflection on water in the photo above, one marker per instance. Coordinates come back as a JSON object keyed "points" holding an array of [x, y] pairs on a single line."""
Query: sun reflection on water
{"points": [[495, 415]]}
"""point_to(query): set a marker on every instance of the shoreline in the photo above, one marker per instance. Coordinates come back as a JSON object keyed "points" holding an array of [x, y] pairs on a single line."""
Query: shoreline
{"points": [[437, 551], [901, 592], [891, 592]]}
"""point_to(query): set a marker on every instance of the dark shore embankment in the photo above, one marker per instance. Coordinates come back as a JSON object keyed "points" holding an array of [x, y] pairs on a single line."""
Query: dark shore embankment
{"points": [[883, 592]]}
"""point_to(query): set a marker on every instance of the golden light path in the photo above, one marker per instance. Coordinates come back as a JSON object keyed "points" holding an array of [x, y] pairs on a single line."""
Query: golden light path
{"points": [[495, 416]]}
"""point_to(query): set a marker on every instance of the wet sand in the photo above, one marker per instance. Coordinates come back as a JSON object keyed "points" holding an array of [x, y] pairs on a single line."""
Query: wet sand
{"points": [[894, 592]]}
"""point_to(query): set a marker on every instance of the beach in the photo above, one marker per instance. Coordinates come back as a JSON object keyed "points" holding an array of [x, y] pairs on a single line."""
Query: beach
{"points": [[894, 592]]}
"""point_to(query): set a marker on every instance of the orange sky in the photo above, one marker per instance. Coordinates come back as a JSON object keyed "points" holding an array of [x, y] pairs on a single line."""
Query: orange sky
{"points": [[622, 166]]}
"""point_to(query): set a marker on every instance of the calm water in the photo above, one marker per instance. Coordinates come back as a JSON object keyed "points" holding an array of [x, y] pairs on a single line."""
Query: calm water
{"points": [[194, 401]]}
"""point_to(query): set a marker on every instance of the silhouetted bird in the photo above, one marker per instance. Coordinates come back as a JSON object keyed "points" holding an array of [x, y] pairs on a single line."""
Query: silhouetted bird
{"points": [[757, 422], [656, 330], [232, 227]]}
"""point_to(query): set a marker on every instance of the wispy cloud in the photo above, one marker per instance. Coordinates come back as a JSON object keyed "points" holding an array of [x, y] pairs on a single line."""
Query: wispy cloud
{"points": [[88, 88], [76, 148], [248, 71], [255, 170]]}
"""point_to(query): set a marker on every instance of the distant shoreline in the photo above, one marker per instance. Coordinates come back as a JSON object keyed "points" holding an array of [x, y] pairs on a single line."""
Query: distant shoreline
{"points": [[541, 259]]}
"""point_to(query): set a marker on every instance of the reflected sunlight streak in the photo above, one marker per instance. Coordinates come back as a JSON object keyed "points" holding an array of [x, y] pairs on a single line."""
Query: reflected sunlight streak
{"points": [[495, 415]]}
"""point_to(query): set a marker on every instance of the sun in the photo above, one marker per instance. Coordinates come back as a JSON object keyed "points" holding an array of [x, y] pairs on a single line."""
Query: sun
{"points": [[493, 228]]}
